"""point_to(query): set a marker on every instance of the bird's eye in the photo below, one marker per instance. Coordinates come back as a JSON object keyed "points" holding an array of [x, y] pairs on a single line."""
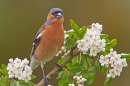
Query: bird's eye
{"points": [[53, 13]]}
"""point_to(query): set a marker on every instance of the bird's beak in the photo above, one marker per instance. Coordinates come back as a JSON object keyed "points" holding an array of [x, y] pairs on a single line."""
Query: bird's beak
{"points": [[59, 15]]}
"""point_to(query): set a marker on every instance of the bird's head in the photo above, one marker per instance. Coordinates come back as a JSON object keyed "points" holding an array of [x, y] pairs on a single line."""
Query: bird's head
{"points": [[56, 15]]}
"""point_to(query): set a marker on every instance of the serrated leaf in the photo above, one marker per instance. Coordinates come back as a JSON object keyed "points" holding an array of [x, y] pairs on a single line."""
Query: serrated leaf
{"points": [[65, 75], [111, 44], [23, 83], [90, 58], [33, 77], [61, 60], [105, 36], [4, 72], [127, 56], [97, 65], [74, 26], [75, 60], [70, 43], [30, 83], [90, 79], [3, 67], [89, 64], [62, 81], [14, 83], [107, 81], [76, 29], [75, 69], [69, 64], [82, 31], [2, 80], [104, 70], [92, 69], [83, 73], [90, 74], [70, 33], [60, 74]]}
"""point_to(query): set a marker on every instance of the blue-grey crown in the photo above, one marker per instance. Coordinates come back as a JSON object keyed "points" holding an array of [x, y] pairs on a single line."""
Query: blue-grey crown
{"points": [[55, 10]]}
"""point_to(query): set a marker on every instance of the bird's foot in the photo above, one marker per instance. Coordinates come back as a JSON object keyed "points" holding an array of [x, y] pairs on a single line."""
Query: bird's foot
{"points": [[45, 79], [57, 65]]}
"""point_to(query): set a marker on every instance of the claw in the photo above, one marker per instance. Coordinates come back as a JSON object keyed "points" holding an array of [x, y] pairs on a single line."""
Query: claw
{"points": [[45, 79]]}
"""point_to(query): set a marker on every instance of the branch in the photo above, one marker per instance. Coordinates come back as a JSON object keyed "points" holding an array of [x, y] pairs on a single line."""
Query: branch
{"points": [[55, 69]]}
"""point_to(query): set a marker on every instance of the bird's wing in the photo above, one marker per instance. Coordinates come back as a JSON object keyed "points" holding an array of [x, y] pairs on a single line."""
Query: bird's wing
{"points": [[36, 41]]}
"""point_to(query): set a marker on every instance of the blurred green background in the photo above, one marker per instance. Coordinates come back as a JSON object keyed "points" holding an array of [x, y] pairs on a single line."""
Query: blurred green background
{"points": [[20, 20]]}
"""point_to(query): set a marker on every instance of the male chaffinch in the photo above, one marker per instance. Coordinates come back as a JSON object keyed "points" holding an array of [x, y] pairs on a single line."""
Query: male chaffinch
{"points": [[48, 40]]}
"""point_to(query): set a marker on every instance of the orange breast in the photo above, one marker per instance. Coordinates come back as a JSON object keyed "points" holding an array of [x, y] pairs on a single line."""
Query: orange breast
{"points": [[50, 44]]}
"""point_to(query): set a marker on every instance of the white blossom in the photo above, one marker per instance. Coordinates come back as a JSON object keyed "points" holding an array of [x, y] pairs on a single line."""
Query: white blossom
{"points": [[114, 62], [19, 69], [112, 73], [82, 46], [104, 60], [80, 80], [91, 41]]}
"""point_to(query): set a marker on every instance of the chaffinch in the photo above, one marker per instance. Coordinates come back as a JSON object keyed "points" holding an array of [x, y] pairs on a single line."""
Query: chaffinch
{"points": [[48, 40]]}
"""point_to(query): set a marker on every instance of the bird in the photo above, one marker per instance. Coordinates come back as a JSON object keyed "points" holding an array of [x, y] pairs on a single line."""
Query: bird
{"points": [[48, 40]]}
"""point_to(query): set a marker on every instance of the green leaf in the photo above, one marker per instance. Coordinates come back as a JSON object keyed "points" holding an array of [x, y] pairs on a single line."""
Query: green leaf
{"points": [[5, 72], [69, 64], [14, 83], [33, 77], [90, 79], [60, 74], [90, 74], [62, 81], [2, 80], [75, 69], [70, 43], [30, 83], [90, 58], [83, 31], [3, 67], [89, 63], [107, 81], [102, 36], [70, 33], [87, 60], [75, 60], [61, 60], [104, 70], [65, 75], [23, 83], [83, 73], [127, 56], [97, 65], [92, 69], [105, 36], [74, 26], [111, 44]]}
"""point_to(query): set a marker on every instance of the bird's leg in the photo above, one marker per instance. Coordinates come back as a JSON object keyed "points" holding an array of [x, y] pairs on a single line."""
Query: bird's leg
{"points": [[45, 80], [57, 65]]}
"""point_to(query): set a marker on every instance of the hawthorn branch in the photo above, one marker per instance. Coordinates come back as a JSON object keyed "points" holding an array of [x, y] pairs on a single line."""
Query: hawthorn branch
{"points": [[55, 69]]}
